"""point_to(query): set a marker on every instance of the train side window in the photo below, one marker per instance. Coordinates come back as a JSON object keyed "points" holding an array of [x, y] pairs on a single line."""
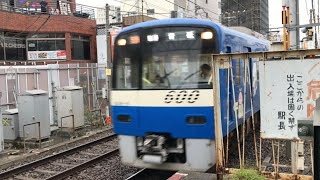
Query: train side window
{"points": [[228, 49], [238, 69]]}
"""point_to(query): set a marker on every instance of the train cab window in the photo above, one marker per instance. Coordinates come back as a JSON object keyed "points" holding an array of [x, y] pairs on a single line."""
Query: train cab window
{"points": [[178, 70], [127, 71]]}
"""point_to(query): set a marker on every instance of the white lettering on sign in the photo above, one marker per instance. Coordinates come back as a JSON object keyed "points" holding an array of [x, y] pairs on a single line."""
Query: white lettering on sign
{"points": [[12, 45], [190, 34], [171, 36]]}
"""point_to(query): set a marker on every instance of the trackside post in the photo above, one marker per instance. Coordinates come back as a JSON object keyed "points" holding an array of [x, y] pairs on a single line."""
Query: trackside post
{"points": [[316, 124], [217, 119]]}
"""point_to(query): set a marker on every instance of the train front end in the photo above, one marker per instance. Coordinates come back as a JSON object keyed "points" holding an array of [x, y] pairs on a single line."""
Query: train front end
{"points": [[162, 98]]}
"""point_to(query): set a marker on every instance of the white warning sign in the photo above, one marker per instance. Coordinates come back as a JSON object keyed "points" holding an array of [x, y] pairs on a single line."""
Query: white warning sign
{"points": [[288, 93]]}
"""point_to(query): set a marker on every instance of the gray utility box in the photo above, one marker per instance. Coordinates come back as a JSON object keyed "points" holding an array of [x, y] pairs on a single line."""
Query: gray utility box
{"points": [[10, 122], [33, 108], [1, 133], [70, 102]]}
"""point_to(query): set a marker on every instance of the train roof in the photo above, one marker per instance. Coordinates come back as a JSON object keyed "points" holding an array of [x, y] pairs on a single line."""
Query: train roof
{"points": [[221, 30], [189, 21]]}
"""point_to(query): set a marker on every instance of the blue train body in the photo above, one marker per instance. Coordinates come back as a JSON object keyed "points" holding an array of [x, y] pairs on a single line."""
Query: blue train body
{"points": [[142, 115]]}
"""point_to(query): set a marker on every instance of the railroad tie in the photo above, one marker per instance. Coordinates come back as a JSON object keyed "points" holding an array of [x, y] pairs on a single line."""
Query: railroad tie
{"points": [[24, 178], [45, 171], [61, 164]]}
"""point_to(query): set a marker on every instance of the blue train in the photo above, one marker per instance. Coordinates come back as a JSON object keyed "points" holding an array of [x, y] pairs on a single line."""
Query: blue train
{"points": [[162, 97]]}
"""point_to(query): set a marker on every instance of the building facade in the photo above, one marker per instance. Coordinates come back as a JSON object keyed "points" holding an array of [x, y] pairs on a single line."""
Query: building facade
{"points": [[44, 31], [253, 14], [201, 9]]}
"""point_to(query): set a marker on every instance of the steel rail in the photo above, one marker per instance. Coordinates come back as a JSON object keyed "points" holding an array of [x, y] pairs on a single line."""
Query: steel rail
{"points": [[23, 168], [82, 166], [150, 173]]}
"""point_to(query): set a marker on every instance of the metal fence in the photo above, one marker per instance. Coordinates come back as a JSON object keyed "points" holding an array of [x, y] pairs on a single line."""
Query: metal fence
{"points": [[16, 80], [276, 146]]}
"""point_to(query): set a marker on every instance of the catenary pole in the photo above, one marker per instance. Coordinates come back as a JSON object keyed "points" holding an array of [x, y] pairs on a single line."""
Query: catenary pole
{"points": [[108, 60]]}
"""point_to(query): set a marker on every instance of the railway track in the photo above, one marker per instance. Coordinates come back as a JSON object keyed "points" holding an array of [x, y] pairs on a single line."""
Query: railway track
{"points": [[153, 174], [65, 163]]}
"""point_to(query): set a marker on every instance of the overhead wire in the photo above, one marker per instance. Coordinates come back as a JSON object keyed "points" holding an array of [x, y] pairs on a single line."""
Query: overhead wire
{"points": [[136, 3], [203, 7], [161, 8], [132, 5], [190, 10]]}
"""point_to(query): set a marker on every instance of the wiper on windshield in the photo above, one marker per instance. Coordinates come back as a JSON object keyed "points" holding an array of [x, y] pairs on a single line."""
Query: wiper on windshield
{"points": [[167, 75]]}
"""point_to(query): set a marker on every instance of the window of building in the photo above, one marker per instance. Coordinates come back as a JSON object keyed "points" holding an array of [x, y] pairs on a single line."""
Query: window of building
{"points": [[80, 47], [46, 46], [12, 47]]}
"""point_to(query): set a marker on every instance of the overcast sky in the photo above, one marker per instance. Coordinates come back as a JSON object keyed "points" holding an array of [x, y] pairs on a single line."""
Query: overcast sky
{"points": [[275, 8]]}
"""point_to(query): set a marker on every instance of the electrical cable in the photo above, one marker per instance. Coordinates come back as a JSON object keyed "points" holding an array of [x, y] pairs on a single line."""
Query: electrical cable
{"points": [[39, 27], [192, 11], [131, 5], [22, 32], [137, 1]]}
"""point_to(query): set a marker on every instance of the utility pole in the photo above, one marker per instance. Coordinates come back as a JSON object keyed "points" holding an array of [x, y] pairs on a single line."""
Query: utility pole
{"points": [[315, 31], [293, 21], [284, 22], [108, 60], [142, 10]]}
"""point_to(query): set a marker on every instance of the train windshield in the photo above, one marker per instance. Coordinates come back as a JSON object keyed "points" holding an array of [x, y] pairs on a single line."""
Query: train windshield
{"points": [[165, 58]]}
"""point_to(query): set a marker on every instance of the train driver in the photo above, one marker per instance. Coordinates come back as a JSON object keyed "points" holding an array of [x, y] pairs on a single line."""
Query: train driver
{"points": [[205, 75]]}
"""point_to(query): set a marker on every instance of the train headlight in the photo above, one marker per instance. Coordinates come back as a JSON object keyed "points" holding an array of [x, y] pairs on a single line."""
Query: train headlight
{"points": [[122, 42], [206, 35]]}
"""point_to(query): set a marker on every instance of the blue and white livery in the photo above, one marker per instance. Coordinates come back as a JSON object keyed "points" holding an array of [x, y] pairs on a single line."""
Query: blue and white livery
{"points": [[162, 97]]}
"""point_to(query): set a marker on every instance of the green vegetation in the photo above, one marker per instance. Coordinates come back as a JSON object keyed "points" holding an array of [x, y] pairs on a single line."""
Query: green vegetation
{"points": [[247, 174], [91, 117]]}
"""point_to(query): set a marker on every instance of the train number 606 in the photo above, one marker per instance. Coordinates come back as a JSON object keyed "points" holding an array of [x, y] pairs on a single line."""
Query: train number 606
{"points": [[182, 96]]}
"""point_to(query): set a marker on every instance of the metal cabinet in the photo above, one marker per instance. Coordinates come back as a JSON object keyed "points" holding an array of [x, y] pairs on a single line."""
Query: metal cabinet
{"points": [[70, 107], [34, 109], [10, 122]]}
